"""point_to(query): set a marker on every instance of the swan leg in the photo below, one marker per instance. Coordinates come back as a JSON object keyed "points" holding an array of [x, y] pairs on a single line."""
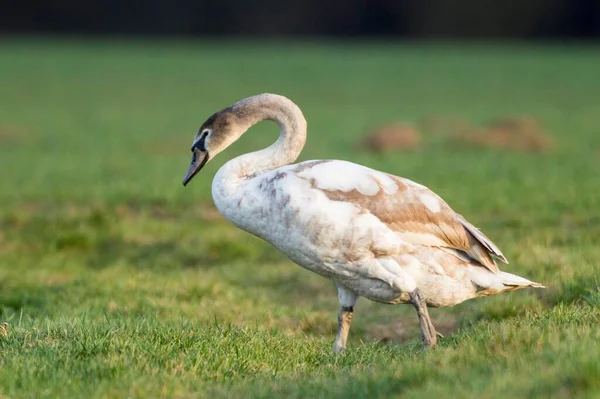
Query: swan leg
{"points": [[427, 330], [347, 300]]}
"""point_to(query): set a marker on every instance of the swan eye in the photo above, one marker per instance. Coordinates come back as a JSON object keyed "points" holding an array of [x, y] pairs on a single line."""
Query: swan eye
{"points": [[200, 143]]}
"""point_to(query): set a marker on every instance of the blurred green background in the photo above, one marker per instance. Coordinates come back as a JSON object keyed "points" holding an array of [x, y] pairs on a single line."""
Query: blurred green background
{"points": [[115, 281]]}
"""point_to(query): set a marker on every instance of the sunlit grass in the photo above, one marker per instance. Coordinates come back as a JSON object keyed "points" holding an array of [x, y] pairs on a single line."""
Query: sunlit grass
{"points": [[116, 281]]}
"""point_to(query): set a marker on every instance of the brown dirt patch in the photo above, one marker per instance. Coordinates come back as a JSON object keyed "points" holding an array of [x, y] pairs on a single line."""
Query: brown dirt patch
{"points": [[443, 125], [15, 134], [401, 136], [517, 134]]}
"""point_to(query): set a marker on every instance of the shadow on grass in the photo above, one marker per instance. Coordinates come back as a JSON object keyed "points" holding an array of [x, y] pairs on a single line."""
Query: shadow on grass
{"points": [[583, 289], [99, 236], [29, 299], [170, 254], [165, 254]]}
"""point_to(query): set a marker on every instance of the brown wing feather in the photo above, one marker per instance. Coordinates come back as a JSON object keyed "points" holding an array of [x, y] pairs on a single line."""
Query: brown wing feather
{"points": [[407, 214], [490, 247]]}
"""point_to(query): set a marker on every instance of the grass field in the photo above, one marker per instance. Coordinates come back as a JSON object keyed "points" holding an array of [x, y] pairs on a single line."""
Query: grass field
{"points": [[115, 281]]}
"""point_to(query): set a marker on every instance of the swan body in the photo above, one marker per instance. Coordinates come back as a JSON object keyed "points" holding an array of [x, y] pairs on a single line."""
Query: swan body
{"points": [[322, 215], [378, 236]]}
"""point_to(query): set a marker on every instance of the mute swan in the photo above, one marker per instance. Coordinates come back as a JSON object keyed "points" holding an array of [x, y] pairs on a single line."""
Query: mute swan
{"points": [[376, 235]]}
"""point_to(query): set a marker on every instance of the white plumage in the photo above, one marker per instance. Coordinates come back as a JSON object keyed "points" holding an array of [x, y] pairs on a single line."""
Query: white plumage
{"points": [[376, 235]]}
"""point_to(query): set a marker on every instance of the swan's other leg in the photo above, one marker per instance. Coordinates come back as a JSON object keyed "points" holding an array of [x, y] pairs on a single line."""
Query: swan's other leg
{"points": [[347, 300], [427, 330]]}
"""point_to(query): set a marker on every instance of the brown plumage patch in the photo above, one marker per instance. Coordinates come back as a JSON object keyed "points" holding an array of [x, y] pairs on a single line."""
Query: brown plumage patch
{"points": [[401, 136], [229, 123], [309, 164], [406, 214], [221, 123]]}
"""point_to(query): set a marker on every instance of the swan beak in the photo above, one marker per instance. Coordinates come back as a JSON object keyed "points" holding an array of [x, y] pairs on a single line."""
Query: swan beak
{"points": [[199, 159]]}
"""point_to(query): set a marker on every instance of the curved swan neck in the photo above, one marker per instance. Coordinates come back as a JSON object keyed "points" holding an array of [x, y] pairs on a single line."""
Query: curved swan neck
{"points": [[292, 134]]}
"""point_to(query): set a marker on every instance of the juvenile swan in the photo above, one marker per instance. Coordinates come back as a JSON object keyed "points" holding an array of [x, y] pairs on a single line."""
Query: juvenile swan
{"points": [[376, 235]]}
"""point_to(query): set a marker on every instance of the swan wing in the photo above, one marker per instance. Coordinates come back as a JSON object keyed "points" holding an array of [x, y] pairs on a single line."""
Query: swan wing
{"points": [[412, 211]]}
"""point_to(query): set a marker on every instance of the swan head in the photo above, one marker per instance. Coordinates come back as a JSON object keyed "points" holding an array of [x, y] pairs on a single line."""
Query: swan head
{"points": [[216, 134], [226, 126]]}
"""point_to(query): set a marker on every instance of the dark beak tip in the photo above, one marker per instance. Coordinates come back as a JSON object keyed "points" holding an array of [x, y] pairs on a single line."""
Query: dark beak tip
{"points": [[199, 159], [187, 179]]}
